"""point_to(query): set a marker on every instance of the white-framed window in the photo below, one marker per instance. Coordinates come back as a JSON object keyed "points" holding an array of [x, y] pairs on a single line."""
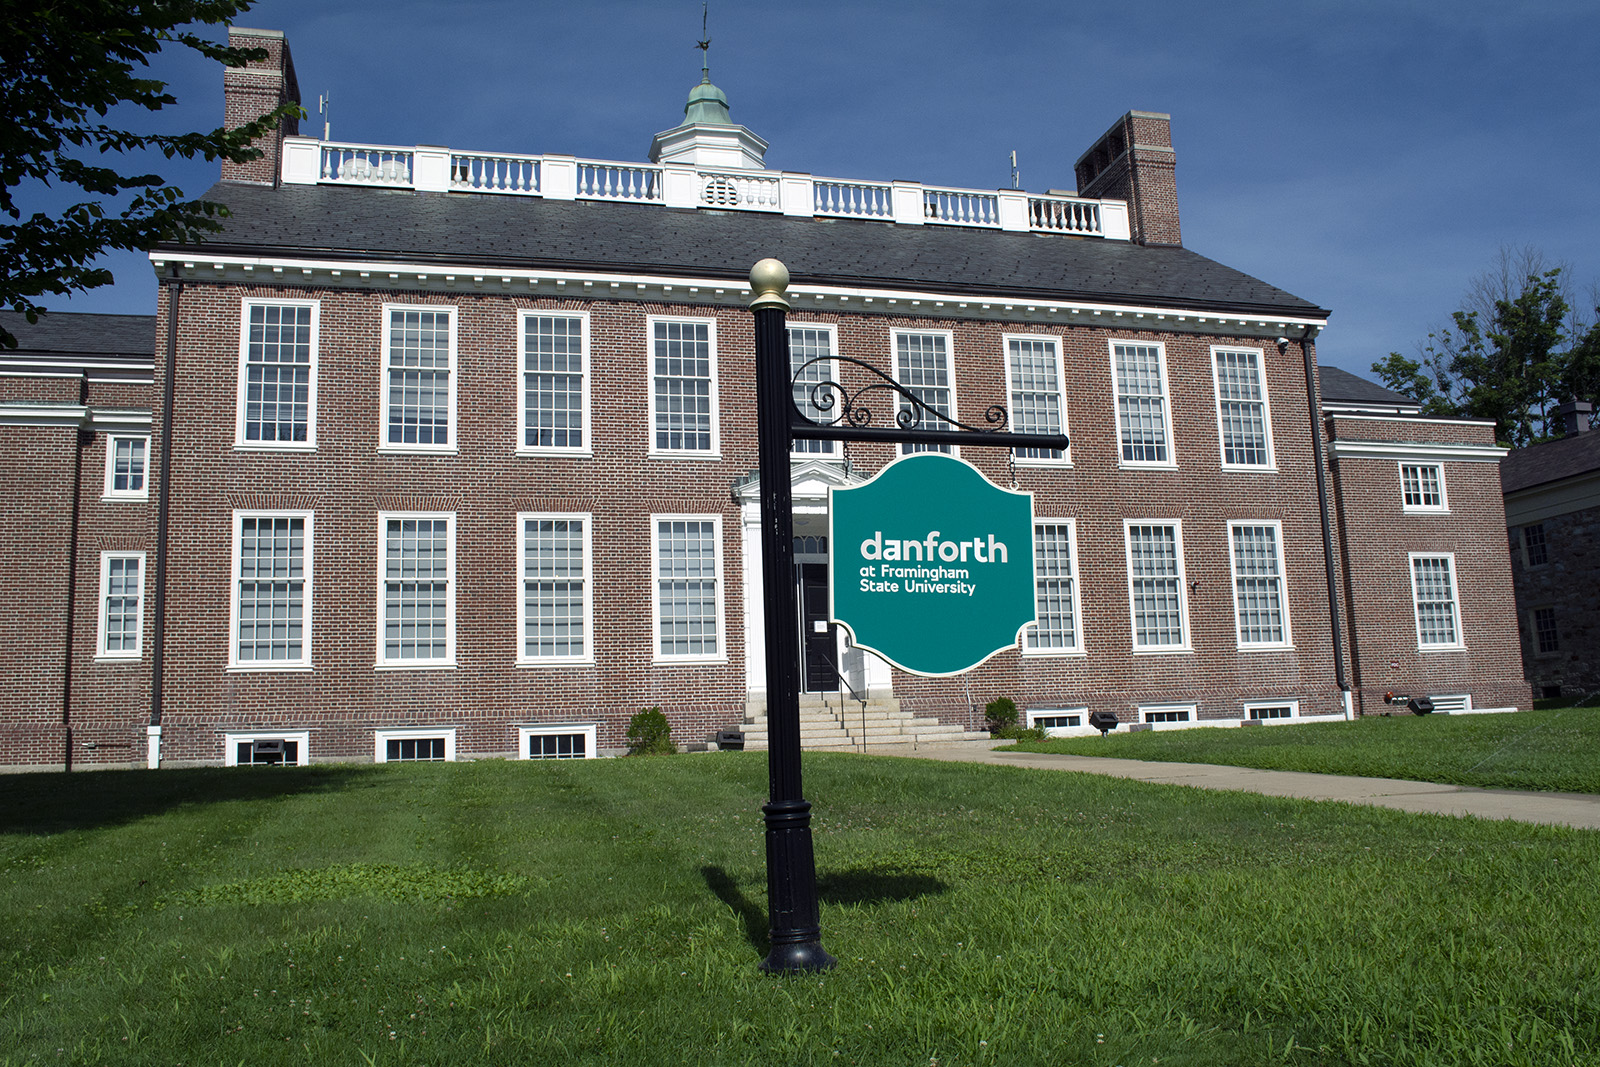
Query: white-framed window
{"points": [[555, 383], [1546, 638], [1144, 415], [266, 748], [419, 384], [1157, 598], [127, 467], [1422, 488], [683, 393], [1057, 722], [277, 406], [417, 589], [1270, 710], [271, 614], [687, 551], [121, 605], [1033, 380], [1055, 584], [922, 367], [808, 342], [555, 609], [557, 741], [1535, 550], [421, 744], [1244, 422], [1260, 607], [1165, 714], [1433, 592]]}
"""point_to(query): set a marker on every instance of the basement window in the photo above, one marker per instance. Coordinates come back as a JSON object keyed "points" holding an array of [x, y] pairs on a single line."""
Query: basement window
{"points": [[1162, 713], [435, 745], [266, 748], [1055, 722], [557, 741]]}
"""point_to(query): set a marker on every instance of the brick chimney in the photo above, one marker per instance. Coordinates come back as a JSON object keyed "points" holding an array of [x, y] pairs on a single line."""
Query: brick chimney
{"points": [[251, 91], [1134, 162]]}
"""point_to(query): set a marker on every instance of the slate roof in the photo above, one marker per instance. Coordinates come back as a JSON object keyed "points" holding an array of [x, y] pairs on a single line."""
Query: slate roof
{"points": [[80, 333], [1342, 387], [1550, 461], [342, 222]]}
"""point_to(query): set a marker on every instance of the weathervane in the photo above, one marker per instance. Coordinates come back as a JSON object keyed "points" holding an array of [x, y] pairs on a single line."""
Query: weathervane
{"points": [[704, 44]]}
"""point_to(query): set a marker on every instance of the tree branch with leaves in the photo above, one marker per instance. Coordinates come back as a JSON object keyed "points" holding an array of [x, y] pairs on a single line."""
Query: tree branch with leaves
{"points": [[64, 66]]}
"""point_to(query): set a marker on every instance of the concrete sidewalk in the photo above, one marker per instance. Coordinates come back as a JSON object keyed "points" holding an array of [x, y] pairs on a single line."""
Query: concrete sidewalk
{"points": [[1580, 810]]}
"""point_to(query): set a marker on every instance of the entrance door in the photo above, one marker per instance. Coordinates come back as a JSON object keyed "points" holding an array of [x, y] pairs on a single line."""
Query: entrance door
{"points": [[819, 648]]}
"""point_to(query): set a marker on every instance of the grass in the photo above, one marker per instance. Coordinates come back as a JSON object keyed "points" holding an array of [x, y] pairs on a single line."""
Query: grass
{"points": [[613, 912], [1556, 749]]}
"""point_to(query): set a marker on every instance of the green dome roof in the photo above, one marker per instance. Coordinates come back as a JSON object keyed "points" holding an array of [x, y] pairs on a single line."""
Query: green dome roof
{"points": [[707, 104]]}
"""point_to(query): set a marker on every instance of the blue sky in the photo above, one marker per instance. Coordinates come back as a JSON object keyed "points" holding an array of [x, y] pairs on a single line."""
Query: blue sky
{"points": [[1368, 156]]}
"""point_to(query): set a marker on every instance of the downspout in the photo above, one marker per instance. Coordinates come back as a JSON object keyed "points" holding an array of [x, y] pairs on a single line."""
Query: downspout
{"points": [[81, 436], [158, 635], [1312, 399]]}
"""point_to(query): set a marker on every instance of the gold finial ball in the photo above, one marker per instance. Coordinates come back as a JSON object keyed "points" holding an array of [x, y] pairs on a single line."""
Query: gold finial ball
{"points": [[769, 278]]}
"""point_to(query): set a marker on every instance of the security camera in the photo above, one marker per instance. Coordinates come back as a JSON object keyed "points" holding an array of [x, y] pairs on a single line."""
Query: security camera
{"points": [[1283, 343]]}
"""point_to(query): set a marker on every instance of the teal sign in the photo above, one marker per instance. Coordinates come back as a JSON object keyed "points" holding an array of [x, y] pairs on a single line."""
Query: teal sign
{"points": [[932, 564]]}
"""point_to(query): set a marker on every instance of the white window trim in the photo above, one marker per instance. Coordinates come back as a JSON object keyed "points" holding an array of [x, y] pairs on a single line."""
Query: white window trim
{"points": [[449, 660], [304, 662], [310, 443], [1441, 508], [590, 731], [232, 739], [1171, 462], [832, 366], [1283, 588], [523, 659], [1078, 649], [1061, 394], [1146, 710], [1460, 642], [1035, 714], [1252, 705], [715, 451], [381, 739], [1271, 464], [656, 655], [950, 366], [1183, 588], [120, 655], [587, 449], [384, 444], [111, 468]]}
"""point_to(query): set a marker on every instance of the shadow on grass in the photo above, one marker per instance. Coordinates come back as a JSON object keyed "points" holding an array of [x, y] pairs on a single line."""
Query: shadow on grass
{"points": [[863, 885], [57, 802]]}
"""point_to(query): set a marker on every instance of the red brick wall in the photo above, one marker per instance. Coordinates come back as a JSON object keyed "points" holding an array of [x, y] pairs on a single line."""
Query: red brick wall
{"points": [[251, 91]]}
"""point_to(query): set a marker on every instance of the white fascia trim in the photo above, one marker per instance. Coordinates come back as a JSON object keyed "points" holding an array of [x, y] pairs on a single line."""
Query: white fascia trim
{"points": [[269, 270], [115, 420], [56, 416], [1403, 451]]}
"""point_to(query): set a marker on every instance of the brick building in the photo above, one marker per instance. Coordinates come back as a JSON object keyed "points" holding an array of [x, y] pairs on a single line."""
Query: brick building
{"points": [[1552, 501], [440, 453]]}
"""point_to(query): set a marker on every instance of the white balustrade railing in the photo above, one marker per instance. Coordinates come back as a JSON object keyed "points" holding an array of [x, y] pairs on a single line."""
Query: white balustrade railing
{"points": [[307, 161], [366, 165], [1062, 215], [854, 200], [472, 173], [618, 181], [960, 207], [740, 190]]}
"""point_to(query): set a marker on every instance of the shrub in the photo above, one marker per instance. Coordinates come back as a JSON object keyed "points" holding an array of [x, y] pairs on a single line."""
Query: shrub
{"points": [[1020, 733], [649, 734], [1000, 713]]}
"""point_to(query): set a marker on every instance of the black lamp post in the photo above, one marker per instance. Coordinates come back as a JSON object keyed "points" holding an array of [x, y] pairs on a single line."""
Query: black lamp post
{"points": [[795, 926]]}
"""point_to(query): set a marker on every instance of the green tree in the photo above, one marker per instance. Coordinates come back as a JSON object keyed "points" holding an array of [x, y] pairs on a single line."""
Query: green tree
{"points": [[64, 64], [1515, 352]]}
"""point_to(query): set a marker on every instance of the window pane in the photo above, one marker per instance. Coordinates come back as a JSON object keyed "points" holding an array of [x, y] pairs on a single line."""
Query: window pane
{"points": [[271, 589], [806, 344], [277, 402], [922, 366], [554, 582], [417, 589], [1054, 572], [1156, 589], [120, 624], [686, 561], [419, 377], [1141, 403], [1434, 590], [1242, 408], [1258, 585], [1035, 392], [682, 367], [552, 382]]}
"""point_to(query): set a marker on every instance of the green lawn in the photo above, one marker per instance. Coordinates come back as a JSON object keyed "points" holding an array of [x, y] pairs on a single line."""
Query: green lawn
{"points": [[1551, 750], [612, 912]]}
